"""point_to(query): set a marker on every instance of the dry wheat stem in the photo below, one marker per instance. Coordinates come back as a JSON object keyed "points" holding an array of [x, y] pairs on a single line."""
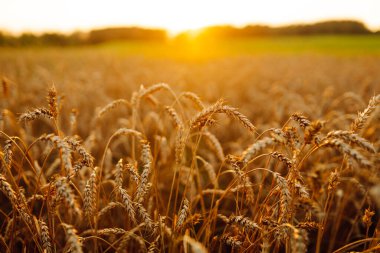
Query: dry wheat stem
{"points": [[194, 98], [72, 239], [109, 207], [231, 241], [183, 214], [256, 147], [45, 237], [146, 159], [133, 173], [203, 117], [127, 201], [285, 198], [87, 159], [141, 211], [348, 150], [114, 104], [119, 173], [196, 246], [64, 192], [175, 117], [90, 195], [214, 144], [301, 119], [52, 102], [105, 231], [65, 149], [351, 137]]}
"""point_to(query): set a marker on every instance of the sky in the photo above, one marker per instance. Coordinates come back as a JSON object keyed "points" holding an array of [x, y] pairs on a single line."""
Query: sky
{"points": [[176, 15]]}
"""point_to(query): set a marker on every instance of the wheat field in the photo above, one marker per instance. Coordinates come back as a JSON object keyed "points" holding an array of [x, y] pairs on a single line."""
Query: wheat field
{"points": [[265, 153]]}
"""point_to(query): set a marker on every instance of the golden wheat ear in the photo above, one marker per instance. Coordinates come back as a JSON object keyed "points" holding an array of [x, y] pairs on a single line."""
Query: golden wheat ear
{"points": [[36, 114], [73, 241], [363, 116], [90, 190]]}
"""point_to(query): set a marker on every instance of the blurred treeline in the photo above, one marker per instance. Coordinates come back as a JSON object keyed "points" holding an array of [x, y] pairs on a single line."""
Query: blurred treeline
{"points": [[83, 38], [212, 32], [320, 28]]}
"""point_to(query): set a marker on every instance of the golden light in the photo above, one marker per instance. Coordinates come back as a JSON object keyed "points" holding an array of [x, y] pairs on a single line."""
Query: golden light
{"points": [[176, 15]]}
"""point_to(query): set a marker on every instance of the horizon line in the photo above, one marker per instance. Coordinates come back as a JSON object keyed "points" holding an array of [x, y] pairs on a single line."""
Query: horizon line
{"points": [[171, 33]]}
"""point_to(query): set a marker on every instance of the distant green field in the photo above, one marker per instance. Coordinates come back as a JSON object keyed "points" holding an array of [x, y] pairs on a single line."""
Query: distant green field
{"points": [[359, 45], [339, 45]]}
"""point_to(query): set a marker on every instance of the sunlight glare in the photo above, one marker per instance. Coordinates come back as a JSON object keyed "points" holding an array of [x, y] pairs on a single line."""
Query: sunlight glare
{"points": [[177, 16]]}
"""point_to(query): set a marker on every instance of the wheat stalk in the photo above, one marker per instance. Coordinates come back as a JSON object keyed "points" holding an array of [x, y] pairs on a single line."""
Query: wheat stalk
{"points": [[64, 192], [203, 117], [214, 144], [18, 201], [153, 247], [351, 137], [87, 159], [196, 246], [8, 154], [347, 149], [52, 102], [244, 222], [256, 147], [312, 130], [8, 229], [175, 117], [73, 121], [144, 92], [114, 104], [282, 158], [73, 241], [5, 83], [193, 98], [6, 188], [180, 145], [364, 115], [285, 198], [36, 114], [45, 236], [127, 201], [133, 173], [143, 214], [109, 207], [119, 173], [146, 159], [183, 214], [90, 195], [301, 120], [210, 171], [126, 131], [298, 241], [105, 231], [64, 147], [125, 240], [180, 141], [231, 241]]}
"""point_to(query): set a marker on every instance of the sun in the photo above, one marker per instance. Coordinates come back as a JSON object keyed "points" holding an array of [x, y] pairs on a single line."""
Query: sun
{"points": [[176, 28], [176, 17]]}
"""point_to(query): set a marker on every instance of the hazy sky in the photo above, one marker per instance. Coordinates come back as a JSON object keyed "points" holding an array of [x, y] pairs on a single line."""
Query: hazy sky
{"points": [[177, 15]]}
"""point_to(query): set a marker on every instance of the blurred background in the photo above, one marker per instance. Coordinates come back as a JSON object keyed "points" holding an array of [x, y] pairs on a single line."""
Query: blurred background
{"points": [[244, 51], [194, 29]]}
